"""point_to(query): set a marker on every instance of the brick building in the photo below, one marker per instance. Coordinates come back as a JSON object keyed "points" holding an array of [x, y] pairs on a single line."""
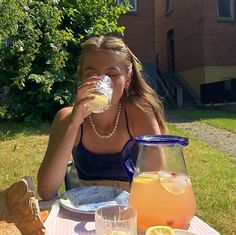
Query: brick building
{"points": [[196, 38], [140, 34]]}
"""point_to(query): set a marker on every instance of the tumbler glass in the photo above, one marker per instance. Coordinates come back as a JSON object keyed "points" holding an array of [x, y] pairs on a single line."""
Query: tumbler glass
{"points": [[116, 220], [102, 91]]}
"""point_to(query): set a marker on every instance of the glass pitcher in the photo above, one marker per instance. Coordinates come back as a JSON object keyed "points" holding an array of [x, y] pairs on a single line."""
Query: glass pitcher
{"points": [[161, 190]]}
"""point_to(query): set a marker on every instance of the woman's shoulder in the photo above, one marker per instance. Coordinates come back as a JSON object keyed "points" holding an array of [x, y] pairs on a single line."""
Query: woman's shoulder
{"points": [[63, 114], [65, 111], [139, 108], [141, 118]]}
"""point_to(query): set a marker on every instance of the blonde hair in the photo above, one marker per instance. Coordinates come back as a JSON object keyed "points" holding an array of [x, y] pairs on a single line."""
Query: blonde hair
{"points": [[138, 88]]}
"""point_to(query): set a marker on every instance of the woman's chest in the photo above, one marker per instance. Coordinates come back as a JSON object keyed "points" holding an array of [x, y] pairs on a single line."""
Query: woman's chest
{"points": [[97, 144]]}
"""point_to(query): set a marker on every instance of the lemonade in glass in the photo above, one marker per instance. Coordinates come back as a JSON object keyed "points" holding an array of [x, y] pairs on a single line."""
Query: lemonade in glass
{"points": [[102, 91]]}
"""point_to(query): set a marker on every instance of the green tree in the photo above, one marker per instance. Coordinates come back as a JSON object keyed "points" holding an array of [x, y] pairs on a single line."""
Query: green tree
{"points": [[40, 45]]}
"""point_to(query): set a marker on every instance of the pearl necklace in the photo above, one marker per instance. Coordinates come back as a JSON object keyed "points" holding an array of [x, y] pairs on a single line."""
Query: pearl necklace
{"points": [[115, 127]]}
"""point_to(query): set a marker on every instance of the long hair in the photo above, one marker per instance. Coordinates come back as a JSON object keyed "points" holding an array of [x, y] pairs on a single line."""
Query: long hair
{"points": [[138, 88]]}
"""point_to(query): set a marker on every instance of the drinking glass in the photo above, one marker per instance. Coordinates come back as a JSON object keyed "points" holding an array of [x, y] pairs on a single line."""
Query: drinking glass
{"points": [[116, 220], [102, 91]]}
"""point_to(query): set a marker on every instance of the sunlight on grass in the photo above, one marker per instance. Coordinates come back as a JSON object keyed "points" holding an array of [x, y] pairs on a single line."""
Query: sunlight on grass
{"points": [[21, 156], [223, 123], [214, 181], [22, 151], [219, 118]]}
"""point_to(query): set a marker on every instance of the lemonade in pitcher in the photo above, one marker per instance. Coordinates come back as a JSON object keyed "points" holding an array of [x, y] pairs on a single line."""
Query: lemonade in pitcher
{"points": [[159, 197], [161, 189]]}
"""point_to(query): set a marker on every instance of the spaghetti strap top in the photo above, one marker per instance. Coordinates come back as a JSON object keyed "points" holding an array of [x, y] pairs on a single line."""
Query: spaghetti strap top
{"points": [[94, 166], [127, 124]]}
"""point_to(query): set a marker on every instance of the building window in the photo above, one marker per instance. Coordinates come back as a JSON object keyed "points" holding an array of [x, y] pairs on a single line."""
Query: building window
{"points": [[133, 3], [169, 5], [226, 9]]}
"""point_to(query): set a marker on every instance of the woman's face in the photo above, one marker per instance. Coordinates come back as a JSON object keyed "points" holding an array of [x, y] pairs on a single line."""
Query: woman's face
{"points": [[105, 62]]}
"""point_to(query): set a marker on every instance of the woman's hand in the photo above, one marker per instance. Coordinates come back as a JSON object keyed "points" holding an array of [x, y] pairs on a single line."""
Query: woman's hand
{"points": [[80, 111]]}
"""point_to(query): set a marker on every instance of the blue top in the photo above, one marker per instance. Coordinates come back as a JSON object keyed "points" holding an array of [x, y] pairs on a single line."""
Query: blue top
{"points": [[94, 166]]}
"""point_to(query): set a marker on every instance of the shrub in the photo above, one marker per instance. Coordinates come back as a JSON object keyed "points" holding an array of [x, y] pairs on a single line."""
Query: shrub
{"points": [[40, 47]]}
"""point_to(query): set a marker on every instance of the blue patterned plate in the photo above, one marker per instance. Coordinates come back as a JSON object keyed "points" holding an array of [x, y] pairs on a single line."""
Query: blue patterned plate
{"points": [[88, 198]]}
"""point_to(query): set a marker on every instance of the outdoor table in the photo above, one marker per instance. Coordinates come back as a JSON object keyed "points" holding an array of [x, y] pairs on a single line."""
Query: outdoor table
{"points": [[62, 222]]}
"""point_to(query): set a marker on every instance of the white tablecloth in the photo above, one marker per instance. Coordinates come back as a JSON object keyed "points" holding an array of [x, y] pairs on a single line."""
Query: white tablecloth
{"points": [[65, 222]]}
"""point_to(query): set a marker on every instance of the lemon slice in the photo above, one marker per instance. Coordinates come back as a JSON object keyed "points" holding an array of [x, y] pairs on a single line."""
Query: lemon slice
{"points": [[175, 185], [98, 104], [147, 177], [99, 99], [160, 230]]}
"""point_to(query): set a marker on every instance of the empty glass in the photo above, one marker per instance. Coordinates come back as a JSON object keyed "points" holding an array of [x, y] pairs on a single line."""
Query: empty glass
{"points": [[116, 220], [102, 91]]}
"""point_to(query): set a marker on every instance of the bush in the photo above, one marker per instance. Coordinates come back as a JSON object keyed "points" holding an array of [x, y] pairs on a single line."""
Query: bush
{"points": [[40, 47]]}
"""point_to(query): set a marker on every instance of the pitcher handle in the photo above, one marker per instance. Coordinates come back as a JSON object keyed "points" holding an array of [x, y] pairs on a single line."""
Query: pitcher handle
{"points": [[129, 157]]}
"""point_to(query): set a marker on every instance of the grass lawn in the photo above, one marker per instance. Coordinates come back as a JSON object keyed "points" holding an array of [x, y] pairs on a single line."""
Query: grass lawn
{"points": [[223, 118], [22, 149], [213, 175]]}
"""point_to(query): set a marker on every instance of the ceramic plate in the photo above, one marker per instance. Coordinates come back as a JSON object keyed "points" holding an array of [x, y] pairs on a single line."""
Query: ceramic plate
{"points": [[88, 198], [183, 232]]}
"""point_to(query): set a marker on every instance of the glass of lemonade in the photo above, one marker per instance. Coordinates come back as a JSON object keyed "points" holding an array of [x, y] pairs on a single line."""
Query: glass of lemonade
{"points": [[116, 220], [102, 91], [161, 189]]}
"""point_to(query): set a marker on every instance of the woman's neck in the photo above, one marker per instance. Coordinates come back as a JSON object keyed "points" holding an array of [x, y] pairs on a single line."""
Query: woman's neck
{"points": [[105, 121]]}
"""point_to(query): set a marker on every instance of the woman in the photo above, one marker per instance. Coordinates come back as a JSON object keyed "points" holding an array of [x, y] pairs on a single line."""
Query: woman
{"points": [[96, 139]]}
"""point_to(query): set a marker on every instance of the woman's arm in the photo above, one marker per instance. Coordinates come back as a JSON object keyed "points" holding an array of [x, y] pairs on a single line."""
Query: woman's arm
{"points": [[62, 137], [64, 130]]}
